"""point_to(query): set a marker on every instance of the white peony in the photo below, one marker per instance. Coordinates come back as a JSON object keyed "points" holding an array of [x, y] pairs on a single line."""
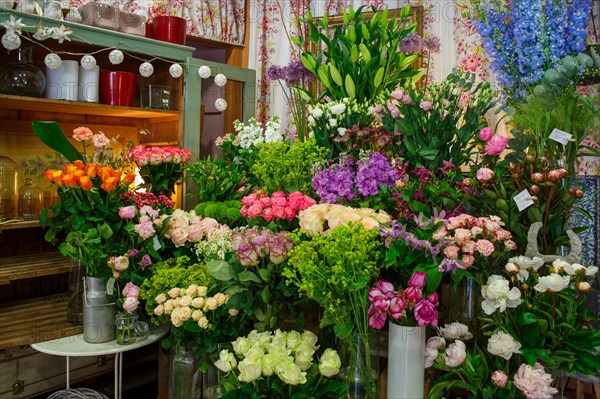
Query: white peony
{"points": [[456, 353], [456, 330], [552, 282], [503, 345], [498, 295]]}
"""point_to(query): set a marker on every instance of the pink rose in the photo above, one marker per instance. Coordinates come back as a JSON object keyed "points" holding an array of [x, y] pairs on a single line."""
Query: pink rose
{"points": [[534, 382], [397, 306], [130, 304], [127, 212], [82, 133], [279, 194], [249, 199], [265, 201], [434, 299], [277, 252], [484, 247], [195, 233], [418, 280], [499, 378], [267, 214], [468, 260], [254, 210], [119, 263], [496, 145], [486, 134], [451, 251], [131, 290], [290, 214], [278, 212], [425, 313], [247, 255], [485, 174], [279, 201], [413, 294], [145, 230], [179, 236]]}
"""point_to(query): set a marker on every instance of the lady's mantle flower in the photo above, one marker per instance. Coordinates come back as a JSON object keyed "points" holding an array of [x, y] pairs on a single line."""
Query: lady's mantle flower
{"points": [[503, 345], [534, 382], [498, 295]]}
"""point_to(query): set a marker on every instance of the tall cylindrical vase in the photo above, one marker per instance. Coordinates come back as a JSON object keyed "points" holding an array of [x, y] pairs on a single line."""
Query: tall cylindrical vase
{"points": [[406, 362], [99, 310], [183, 373], [359, 354]]}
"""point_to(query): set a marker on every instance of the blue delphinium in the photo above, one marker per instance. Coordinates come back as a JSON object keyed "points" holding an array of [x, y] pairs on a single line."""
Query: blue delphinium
{"points": [[526, 37]]}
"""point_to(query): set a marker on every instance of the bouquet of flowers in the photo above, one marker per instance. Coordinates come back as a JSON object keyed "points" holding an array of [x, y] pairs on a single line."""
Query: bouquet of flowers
{"points": [[253, 275], [278, 208], [219, 179], [279, 364], [324, 218], [160, 167]]}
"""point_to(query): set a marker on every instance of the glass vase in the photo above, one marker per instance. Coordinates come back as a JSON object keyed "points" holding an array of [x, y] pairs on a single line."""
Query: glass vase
{"points": [[183, 373], [22, 77], [211, 379], [8, 188], [126, 323], [359, 354], [465, 304], [31, 200]]}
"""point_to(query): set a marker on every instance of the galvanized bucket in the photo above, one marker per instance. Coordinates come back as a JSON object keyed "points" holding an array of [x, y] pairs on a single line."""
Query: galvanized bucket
{"points": [[99, 310]]}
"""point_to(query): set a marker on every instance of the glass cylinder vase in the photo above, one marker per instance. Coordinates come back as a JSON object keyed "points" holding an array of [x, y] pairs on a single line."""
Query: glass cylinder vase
{"points": [[359, 354], [183, 373], [211, 379], [125, 323]]}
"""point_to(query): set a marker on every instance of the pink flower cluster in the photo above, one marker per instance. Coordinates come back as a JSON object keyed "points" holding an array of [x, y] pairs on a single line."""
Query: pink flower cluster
{"points": [[278, 206], [187, 227], [131, 292], [384, 301], [146, 198], [253, 245], [495, 143], [83, 133], [142, 155], [468, 236]]}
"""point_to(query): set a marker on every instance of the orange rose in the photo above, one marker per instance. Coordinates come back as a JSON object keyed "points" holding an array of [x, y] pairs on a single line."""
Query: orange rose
{"points": [[117, 174], [109, 184], [128, 178], [70, 168], [79, 173], [79, 164], [70, 180], [85, 182], [91, 170], [48, 175], [106, 172], [57, 176]]}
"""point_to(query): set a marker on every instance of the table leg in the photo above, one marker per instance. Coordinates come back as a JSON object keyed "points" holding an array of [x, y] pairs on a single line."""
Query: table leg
{"points": [[118, 375], [68, 373]]}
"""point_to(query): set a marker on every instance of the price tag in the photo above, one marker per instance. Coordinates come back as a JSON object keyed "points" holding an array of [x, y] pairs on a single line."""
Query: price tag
{"points": [[110, 285], [561, 137], [156, 244], [523, 200]]}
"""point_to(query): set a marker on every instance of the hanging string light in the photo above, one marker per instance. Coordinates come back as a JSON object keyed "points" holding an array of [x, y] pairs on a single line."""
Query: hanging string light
{"points": [[53, 61], [88, 62]]}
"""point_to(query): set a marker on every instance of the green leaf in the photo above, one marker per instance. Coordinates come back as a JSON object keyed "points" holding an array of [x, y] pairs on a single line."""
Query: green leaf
{"points": [[220, 270], [344, 330], [52, 135], [335, 75], [309, 62], [265, 274], [247, 275], [350, 88], [378, 77], [105, 231]]}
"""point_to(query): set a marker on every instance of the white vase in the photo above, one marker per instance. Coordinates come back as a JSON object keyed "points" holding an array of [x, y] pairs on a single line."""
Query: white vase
{"points": [[406, 362]]}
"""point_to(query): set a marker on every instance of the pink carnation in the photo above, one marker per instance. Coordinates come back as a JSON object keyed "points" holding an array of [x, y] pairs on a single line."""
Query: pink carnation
{"points": [[451, 251], [484, 247], [82, 133]]}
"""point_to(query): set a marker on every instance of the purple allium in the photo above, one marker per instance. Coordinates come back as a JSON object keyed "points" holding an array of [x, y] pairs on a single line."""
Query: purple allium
{"points": [[432, 44], [291, 74], [411, 43], [373, 172], [275, 72]]}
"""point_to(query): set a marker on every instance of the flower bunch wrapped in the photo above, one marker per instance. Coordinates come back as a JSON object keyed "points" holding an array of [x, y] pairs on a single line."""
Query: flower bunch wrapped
{"points": [[87, 215], [279, 364], [384, 302], [254, 275], [366, 181], [324, 218], [160, 167], [276, 207], [437, 124]]}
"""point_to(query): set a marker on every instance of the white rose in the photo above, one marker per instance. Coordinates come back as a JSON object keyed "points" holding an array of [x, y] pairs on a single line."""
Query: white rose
{"points": [[250, 369], [455, 331], [185, 313], [304, 355], [329, 363], [226, 361], [292, 374], [185, 300], [309, 337], [498, 295], [198, 302], [338, 109], [241, 346], [552, 282], [503, 345]]}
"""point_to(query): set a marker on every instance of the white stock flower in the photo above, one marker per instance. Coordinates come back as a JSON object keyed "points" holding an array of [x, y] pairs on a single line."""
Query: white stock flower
{"points": [[552, 282], [503, 345], [498, 295]]}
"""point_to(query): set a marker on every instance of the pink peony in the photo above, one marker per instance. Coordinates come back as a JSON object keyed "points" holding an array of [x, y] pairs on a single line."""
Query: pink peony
{"points": [[119, 263], [278, 212], [254, 210], [426, 313], [484, 247], [418, 280], [145, 230], [496, 145], [130, 304], [249, 199], [131, 289], [499, 378], [413, 294], [485, 174], [82, 133], [534, 382], [486, 134], [127, 212], [279, 201]]}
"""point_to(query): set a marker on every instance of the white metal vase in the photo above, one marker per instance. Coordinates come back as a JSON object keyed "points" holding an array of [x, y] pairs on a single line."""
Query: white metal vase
{"points": [[406, 362]]}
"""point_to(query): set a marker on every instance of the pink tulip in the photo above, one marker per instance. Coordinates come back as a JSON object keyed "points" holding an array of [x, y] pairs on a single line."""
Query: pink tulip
{"points": [[376, 319], [383, 290], [413, 294], [425, 313], [397, 306]]}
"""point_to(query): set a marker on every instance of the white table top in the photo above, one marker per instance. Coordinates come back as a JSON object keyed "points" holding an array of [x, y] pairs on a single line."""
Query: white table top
{"points": [[74, 345]]}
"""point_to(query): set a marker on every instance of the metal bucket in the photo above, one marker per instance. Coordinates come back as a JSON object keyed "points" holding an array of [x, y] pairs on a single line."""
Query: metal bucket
{"points": [[99, 310]]}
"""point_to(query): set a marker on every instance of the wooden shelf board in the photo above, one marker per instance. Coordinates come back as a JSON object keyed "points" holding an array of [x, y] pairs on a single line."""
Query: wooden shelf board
{"points": [[35, 320], [35, 265], [20, 224], [82, 108]]}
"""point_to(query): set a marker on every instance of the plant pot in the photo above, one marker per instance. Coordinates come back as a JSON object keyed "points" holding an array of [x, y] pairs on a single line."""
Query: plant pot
{"points": [[406, 362], [117, 88], [169, 28]]}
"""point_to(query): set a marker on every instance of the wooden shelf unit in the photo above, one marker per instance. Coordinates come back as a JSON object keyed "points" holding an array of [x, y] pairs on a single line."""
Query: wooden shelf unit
{"points": [[35, 265], [35, 320]]}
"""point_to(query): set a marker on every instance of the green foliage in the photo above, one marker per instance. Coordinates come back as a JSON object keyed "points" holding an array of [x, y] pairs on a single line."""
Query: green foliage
{"points": [[287, 167], [226, 212], [218, 179], [336, 271], [360, 59]]}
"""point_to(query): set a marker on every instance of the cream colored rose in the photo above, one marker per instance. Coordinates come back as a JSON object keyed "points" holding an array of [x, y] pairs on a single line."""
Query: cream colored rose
{"points": [[198, 302], [174, 292], [292, 339], [503, 345], [202, 290], [159, 310], [185, 313], [179, 236], [341, 215], [169, 306], [191, 290], [311, 219], [233, 312], [177, 302], [267, 363], [250, 369], [292, 374], [241, 346], [185, 300], [210, 303], [161, 298], [197, 315], [309, 337], [175, 319], [203, 323], [220, 298], [329, 363], [226, 361]]}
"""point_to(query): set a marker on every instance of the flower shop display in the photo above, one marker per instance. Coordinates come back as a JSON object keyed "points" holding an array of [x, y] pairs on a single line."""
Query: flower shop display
{"points": [[218, 179], [279, 364]]}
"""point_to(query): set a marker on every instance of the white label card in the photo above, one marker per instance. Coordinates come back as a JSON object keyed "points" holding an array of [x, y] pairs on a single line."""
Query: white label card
{"points": [[110, 285], [156, 244], [561, 137], [523, 200]]}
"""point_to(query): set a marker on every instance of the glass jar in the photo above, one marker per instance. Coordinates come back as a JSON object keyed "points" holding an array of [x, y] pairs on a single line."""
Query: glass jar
{"points": [[126, 323], [22, 77], [31, 200], [8, 188]]}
